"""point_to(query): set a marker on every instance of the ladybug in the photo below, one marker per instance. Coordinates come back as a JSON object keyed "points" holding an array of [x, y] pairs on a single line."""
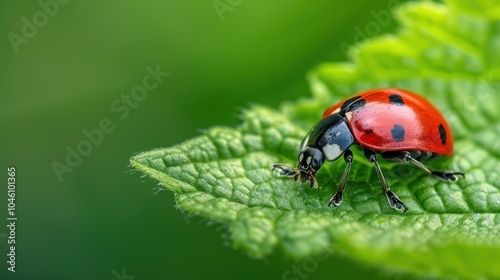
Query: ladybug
{"points": [[397, 124]]}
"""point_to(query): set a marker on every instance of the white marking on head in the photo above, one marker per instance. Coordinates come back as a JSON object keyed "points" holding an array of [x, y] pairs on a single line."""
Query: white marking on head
{"points": [[301, 157], [308, 160], [336, 111], [331, 152], [348, 116]]}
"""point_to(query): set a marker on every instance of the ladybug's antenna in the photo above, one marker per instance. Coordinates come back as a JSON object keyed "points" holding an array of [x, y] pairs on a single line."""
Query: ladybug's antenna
{"points": [[293, 172], [287, 171]]}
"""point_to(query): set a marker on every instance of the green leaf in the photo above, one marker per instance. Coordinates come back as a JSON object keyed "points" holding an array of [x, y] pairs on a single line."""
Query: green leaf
{"points": [[448, 53]]}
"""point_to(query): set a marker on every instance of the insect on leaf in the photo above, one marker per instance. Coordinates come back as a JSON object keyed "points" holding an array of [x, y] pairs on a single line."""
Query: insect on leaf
{"points": [[448, 53]]}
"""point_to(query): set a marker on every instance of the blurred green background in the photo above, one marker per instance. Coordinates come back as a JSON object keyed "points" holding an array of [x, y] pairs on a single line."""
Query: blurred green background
{"points": [[102, 218]]}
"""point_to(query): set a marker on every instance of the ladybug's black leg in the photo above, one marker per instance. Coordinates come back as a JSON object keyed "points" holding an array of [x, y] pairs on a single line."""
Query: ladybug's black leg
{"points": [[393, 199], [336, 199], [447, 176]]}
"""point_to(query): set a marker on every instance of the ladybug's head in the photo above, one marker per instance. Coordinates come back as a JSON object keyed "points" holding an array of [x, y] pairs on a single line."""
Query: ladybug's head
{"points": [[328, 140], [309, 162]]}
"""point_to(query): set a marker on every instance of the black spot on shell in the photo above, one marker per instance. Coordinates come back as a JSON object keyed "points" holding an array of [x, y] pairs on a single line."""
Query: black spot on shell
{"points": [[396, 100], [398, 133], [353, 104], [442, 134]]}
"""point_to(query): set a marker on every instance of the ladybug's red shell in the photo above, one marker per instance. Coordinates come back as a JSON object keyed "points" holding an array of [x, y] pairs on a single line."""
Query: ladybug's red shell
{"points": [[395, 120]]}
